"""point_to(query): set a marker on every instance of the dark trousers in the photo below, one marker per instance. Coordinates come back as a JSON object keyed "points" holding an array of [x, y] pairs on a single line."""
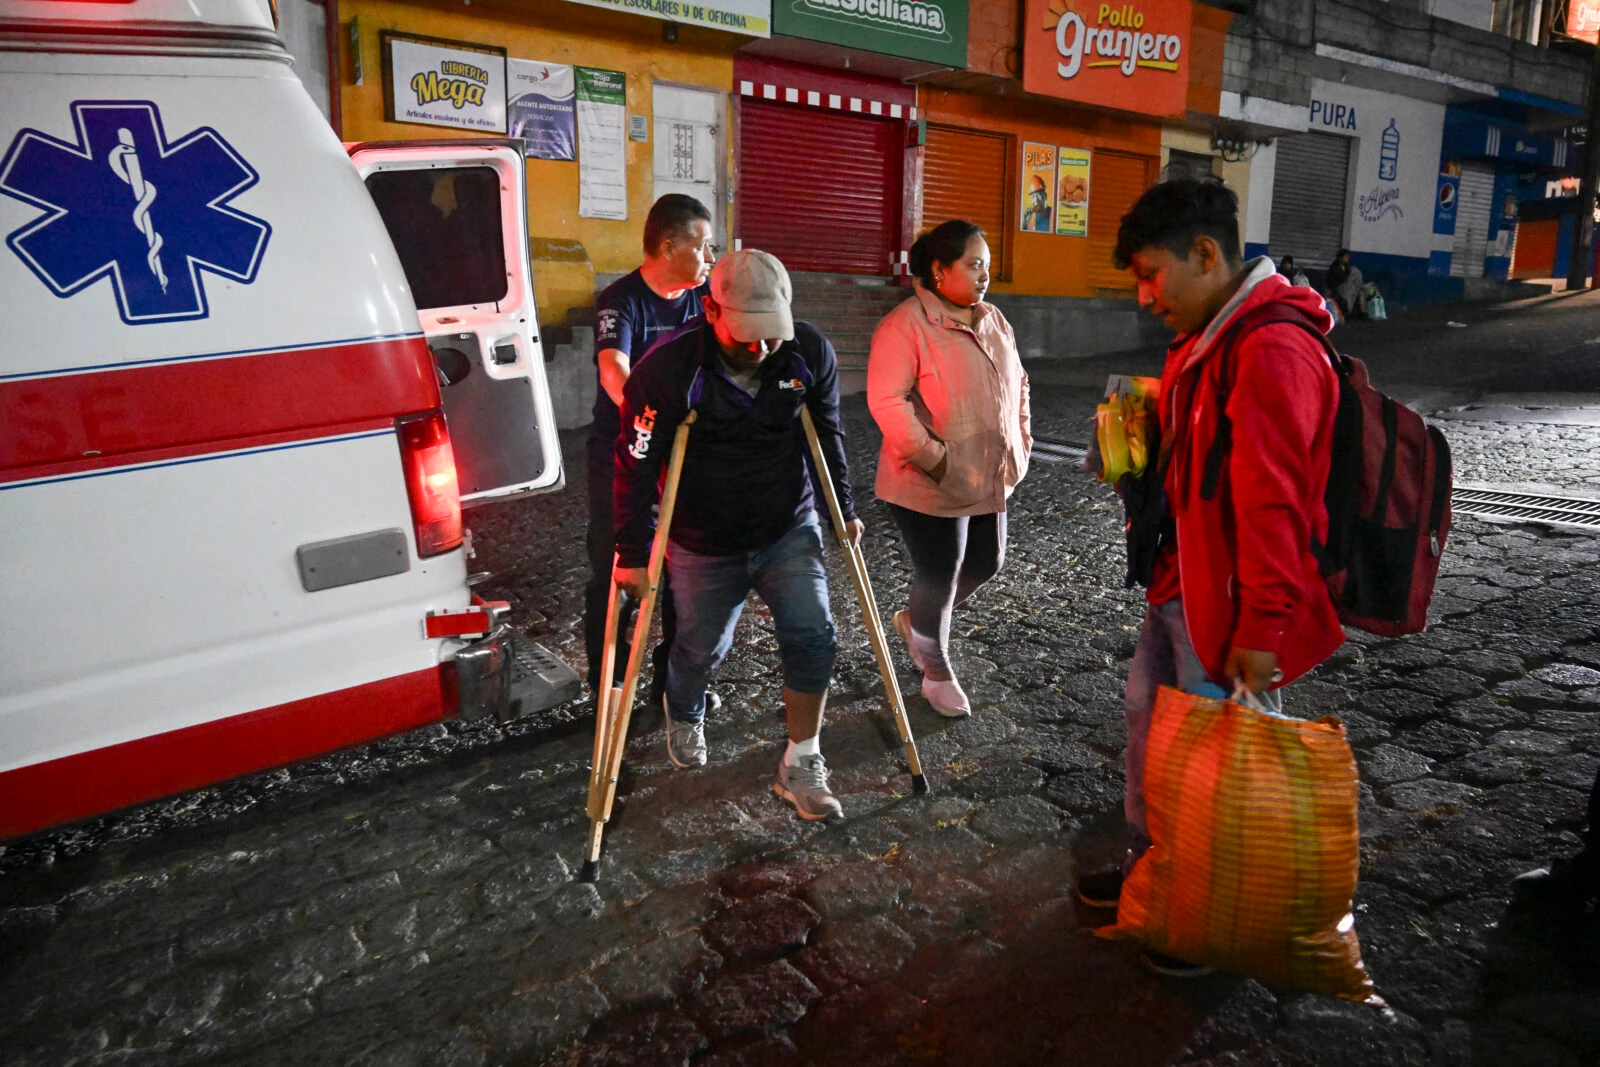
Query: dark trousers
{"points": [[1591, 833], [950, 559], [602, 546]]}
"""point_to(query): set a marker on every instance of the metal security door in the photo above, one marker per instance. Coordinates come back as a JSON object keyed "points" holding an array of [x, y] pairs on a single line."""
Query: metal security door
{"points": [[1534, 253], [819, 189], [964, 177], [1116, 180], [1476, 204], [1308, 198], [689, 148]]}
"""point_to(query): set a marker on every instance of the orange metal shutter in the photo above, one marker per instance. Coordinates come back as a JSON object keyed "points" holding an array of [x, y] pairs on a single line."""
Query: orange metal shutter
{"points": [[1116, 179], [1534, 254], [964, 177], [819, 189]]}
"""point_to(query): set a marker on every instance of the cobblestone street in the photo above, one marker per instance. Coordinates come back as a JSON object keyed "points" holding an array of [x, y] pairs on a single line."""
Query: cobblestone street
{"points": [[416, 901]]}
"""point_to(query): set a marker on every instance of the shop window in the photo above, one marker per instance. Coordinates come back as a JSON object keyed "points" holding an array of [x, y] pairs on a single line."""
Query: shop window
{"points": [[1516, 18], [1181, 164], [446, 226]]}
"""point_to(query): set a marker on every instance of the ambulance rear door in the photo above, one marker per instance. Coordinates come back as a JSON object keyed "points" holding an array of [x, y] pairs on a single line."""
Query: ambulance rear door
{"points": [[456, 211]]}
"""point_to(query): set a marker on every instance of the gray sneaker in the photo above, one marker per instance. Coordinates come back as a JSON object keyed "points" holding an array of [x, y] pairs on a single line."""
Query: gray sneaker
{"points": [[805, 785], [686, 741]]}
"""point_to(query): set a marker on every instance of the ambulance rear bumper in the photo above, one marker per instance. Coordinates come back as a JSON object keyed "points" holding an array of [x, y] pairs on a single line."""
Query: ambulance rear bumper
{"points": [[483, 675]]}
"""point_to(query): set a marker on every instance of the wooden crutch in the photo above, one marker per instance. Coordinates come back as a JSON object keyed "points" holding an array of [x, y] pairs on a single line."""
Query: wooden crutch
{"points": [[869, 605], [614, 705]]}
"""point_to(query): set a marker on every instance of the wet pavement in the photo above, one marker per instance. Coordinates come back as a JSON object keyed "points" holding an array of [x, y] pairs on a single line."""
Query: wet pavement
{"points": [[415, 901]]}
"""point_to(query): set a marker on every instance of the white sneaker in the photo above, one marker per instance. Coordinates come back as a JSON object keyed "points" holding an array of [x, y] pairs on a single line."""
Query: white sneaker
{"points": [[686, 741], [804, 783], [947, 698]]}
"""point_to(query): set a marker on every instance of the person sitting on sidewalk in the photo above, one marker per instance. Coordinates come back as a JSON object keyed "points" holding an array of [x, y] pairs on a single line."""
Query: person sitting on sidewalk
{"points": [[745, 515], [1347, 287], [1235, 594]]}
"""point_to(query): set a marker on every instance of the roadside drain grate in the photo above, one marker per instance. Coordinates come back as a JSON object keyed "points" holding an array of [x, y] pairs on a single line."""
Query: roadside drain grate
{"points": [[1482, 503], [1057, 451], [1527, 507]]}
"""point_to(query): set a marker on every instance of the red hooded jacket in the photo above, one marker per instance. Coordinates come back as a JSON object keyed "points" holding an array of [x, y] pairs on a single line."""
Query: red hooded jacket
{"points": [[1243, 562]]}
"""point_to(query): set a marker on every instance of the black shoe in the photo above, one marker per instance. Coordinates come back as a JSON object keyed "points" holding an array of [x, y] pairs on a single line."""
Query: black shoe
{"points": [[1173, 967], [1572, 883], [1101, 889]]}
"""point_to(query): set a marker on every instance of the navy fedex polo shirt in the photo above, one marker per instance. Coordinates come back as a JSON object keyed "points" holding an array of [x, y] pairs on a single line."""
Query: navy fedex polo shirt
{"points": [[630, 317], [746, 472]]}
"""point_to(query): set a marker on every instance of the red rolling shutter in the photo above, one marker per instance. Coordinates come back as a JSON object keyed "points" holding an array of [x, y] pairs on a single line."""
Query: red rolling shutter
{"points": [[819, 189], [1115, 181], [1534, 253]]}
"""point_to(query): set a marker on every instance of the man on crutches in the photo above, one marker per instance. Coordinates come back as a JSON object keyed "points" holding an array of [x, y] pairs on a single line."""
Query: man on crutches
{"points": [[744, 515]]}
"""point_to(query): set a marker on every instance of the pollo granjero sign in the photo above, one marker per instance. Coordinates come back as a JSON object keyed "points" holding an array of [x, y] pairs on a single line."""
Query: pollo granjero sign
{"points": [[1127, 56]]}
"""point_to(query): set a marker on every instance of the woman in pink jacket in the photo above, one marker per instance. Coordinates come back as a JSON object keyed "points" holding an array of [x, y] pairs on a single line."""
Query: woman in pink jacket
{"points": [[948, 391]]}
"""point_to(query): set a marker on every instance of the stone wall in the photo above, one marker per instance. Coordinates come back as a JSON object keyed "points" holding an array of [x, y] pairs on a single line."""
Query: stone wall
{"points": [[1271, 51]]}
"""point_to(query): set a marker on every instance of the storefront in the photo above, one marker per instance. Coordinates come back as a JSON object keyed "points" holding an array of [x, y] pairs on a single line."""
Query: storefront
{"points": [[1361, 177], [1490, 164], [821, 166], [1050, 170], [826, 118], [614, 108]]}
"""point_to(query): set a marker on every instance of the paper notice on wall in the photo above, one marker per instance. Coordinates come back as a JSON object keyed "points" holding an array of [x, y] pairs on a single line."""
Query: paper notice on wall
{"points": [[541, 108], [602, 105], [1072, 193], [1038, 187]]}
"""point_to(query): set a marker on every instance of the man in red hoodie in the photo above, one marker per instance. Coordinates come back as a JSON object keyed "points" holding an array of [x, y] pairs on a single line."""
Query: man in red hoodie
{"points": [[1235, 596]]}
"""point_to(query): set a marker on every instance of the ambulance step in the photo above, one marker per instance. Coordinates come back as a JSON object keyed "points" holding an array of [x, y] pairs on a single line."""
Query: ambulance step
{"points": [[540, 679]]}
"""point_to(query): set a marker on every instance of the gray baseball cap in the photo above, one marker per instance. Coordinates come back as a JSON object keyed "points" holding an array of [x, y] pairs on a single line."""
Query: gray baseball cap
{"points": [[752, 289]]}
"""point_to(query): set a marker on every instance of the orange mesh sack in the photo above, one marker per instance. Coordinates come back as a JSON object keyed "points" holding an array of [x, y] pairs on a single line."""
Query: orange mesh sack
{"points": [[1254, 851]]}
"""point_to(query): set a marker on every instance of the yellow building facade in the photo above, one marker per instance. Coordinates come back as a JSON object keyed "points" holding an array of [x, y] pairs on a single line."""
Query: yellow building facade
{"points": [[568, 250]]}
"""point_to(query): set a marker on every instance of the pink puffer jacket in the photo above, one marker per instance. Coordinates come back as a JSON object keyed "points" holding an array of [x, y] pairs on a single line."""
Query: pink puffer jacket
{"points": [[941, 389]]}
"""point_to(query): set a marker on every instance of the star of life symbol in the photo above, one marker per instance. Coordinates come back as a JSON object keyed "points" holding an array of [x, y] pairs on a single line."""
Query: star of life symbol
{"points": [[125, 203]]}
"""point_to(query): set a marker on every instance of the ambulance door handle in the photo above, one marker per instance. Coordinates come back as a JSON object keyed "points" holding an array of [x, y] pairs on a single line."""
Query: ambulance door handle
{"points": [[505, 353]]}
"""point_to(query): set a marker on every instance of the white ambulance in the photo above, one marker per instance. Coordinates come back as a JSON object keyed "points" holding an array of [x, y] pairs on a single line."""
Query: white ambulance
{"points": [[230, 449]]}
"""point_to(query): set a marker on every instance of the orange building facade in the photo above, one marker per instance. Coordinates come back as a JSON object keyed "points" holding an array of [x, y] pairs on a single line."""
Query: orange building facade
{"points": [[1048, 163]]}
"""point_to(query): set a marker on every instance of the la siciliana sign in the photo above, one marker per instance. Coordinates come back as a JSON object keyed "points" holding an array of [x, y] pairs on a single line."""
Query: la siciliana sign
{"points": [[934, 31]]}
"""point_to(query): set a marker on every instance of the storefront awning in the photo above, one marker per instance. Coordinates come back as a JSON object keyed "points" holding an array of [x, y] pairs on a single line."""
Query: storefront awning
{"points": [[1473, 138]]}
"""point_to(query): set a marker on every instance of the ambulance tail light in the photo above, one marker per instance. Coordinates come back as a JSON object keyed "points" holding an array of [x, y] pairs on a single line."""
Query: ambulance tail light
{"points": [[430, 468]]}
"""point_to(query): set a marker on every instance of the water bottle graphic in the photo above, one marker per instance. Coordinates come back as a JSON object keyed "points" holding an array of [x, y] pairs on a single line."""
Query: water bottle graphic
{"points": [[1389, 154]]}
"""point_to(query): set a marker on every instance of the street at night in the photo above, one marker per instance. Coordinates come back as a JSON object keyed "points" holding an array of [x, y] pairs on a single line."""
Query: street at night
{"points": [[417, 900]]}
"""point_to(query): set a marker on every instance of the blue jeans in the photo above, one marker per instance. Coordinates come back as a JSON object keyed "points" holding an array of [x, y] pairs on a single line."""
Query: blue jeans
{"points": [[1164, 656], [709, 593]]}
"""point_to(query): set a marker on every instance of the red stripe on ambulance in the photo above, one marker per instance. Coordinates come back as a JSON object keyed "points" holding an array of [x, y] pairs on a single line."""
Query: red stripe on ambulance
{"points": [[80, 421], [73, 787]]}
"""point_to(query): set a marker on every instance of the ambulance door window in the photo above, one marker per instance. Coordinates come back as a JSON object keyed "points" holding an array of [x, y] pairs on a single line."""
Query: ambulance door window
{"points": [[446, 225]]}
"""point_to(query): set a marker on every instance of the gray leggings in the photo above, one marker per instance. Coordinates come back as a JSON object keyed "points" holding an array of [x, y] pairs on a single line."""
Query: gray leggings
{"points": [[950, 559]]}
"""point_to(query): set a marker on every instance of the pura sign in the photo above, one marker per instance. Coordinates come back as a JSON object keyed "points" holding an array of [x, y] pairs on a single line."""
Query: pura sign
{"points": [[1128, 56], [931, 30]]}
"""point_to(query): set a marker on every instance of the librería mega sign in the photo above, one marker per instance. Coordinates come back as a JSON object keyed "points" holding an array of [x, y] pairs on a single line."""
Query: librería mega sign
{"points": [[444, 83], [1130, 56]]}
